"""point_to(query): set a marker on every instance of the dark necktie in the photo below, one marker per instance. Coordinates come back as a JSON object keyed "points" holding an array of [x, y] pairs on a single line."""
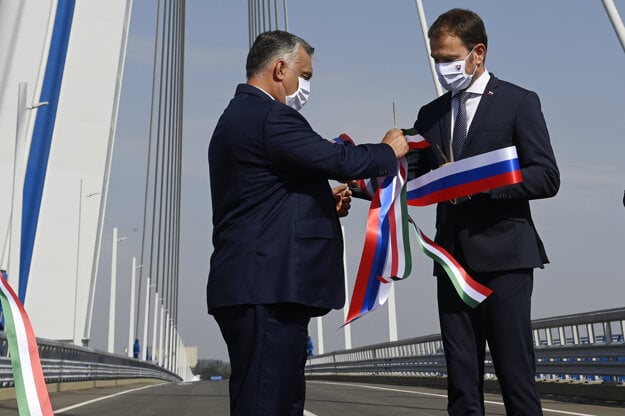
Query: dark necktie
{"points": [[460, 128]]}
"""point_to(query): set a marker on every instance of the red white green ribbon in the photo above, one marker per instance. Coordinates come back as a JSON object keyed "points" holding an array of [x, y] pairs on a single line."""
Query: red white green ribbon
{"points": [[470, 291], [30, 386]]}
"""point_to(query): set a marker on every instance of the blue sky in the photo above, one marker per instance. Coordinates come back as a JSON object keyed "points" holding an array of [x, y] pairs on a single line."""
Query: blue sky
{"points": [[369, 55]]}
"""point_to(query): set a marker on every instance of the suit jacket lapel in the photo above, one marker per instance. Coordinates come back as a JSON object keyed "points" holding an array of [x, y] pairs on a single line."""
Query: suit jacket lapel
{"points": [[482, 108], [445, 128]]}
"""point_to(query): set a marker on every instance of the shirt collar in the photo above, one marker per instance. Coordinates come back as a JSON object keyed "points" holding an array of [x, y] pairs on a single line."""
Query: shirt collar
{"points": [[479, 86], [270, 96]]}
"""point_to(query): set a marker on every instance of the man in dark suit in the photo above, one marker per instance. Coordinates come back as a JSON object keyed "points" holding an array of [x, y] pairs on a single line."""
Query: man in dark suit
{"points": [[492, 233], [277, 258]]}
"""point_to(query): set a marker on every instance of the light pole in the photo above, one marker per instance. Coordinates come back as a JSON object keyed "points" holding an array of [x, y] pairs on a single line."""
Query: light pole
{"points": [[347, 329], [111, 337], [131, 324], [77, 340], [160, 332], [11, 250], [168, 329], [320, 348], [145, 318], [392, 314], [155, 317]]}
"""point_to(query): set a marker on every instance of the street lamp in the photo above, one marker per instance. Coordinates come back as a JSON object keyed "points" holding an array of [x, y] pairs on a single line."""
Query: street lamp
{"points": [[131, 325], [77, 340], [10, 250], [145, 318], [160, 338], [155, 318], [111, 338]]}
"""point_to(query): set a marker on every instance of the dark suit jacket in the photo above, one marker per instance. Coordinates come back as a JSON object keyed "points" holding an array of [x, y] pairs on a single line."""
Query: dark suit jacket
{"points": [[276, 234], [495, 230]]}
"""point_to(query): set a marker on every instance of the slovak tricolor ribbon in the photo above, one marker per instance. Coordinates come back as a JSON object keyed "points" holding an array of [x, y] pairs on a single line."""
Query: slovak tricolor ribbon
{"points": [[386, 253], [30, 385], [465, 177]]}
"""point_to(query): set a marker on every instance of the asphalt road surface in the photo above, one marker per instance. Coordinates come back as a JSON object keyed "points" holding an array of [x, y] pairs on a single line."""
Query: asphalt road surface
{"points": [[323, 399]]}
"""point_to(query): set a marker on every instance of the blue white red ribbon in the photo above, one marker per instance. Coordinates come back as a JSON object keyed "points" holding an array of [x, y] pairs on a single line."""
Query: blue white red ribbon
{"points": [[465, 177], [30, 385], [386, 253]]}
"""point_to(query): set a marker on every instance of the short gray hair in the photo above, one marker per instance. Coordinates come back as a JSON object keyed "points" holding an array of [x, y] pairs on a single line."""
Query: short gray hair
{"points": [[273, 45]]}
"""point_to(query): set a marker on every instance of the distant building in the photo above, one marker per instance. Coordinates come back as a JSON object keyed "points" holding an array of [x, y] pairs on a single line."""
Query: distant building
{"points": [[190, 351]]}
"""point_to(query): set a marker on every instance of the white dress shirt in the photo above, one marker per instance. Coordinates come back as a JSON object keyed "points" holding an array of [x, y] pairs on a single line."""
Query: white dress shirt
{"points": [[476, 90]]}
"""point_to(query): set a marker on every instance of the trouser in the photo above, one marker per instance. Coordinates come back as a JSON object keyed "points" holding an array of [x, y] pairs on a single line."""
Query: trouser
{"points": [[503, 320], [267, 350]]}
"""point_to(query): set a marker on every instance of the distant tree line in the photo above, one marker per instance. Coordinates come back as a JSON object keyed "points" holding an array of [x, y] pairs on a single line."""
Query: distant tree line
{"points": [[208, 368]]}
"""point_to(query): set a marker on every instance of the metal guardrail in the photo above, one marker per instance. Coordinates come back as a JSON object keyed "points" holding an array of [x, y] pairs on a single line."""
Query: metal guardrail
{"points": [[587, 347], [63, 362]]}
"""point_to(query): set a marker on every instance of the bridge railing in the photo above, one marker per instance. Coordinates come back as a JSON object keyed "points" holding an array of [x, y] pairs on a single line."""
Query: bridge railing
{"points": [[587, 347], [62, 362]]}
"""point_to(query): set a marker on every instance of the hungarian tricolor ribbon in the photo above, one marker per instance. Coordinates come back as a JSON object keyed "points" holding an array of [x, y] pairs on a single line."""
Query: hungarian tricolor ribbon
{"points": [[30, 386], [470, 291], [386, 252]]}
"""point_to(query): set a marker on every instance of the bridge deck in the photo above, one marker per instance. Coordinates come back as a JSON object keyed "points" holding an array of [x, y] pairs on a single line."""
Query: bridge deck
{"points": [[323, 399]]}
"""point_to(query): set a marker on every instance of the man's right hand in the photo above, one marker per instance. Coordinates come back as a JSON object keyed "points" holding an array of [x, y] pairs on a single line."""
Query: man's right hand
{"points": [[396, 139]]}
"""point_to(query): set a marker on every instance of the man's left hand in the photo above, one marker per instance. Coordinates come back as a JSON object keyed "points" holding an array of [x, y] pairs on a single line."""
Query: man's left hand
{"points": [[342, 199]]}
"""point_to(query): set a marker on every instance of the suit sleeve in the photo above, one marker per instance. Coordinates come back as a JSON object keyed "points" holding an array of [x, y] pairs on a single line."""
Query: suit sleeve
{"points": [[292, 145], [421, 161], [541, 178]]}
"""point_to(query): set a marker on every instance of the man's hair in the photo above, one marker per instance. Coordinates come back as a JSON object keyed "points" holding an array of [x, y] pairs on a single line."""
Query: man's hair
{"points": [[270, 46], [464, 24]]}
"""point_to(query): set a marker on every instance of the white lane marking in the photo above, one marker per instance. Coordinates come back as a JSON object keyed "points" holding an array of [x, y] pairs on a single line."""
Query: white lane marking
{"points": [[563, 412], [65, 409], [307, 413]]}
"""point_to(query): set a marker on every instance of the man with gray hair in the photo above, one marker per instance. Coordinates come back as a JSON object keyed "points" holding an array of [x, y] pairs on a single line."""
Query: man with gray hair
{"points": [[277, 258]]}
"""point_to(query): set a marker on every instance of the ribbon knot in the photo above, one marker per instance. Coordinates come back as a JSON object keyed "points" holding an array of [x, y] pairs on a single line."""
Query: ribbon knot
{"points": [[386, 255]]}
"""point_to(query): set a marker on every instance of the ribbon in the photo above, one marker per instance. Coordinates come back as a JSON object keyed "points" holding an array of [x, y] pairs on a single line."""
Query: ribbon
{"points": [[30, 385], [470, 291], [370, 186], [386, 253], [465, 177]]}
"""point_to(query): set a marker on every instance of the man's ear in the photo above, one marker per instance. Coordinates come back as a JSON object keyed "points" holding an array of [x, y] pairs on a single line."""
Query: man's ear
{"points": [[279, 70], [480, 51]]}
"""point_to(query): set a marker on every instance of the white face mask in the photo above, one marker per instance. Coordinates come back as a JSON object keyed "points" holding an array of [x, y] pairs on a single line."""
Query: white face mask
{"points": [[452, 75], [299, 97]]}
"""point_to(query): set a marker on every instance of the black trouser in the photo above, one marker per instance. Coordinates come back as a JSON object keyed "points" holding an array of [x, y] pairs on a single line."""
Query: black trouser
{"points": [[267, 349], [503, 320]]}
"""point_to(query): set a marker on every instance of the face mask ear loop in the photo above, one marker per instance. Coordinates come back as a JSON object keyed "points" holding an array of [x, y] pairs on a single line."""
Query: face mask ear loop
{"points": [[465, 61]]}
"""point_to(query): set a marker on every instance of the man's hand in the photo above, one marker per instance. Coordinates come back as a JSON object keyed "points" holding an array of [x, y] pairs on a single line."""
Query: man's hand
{"points": [[396, 139], [343, 199]]}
